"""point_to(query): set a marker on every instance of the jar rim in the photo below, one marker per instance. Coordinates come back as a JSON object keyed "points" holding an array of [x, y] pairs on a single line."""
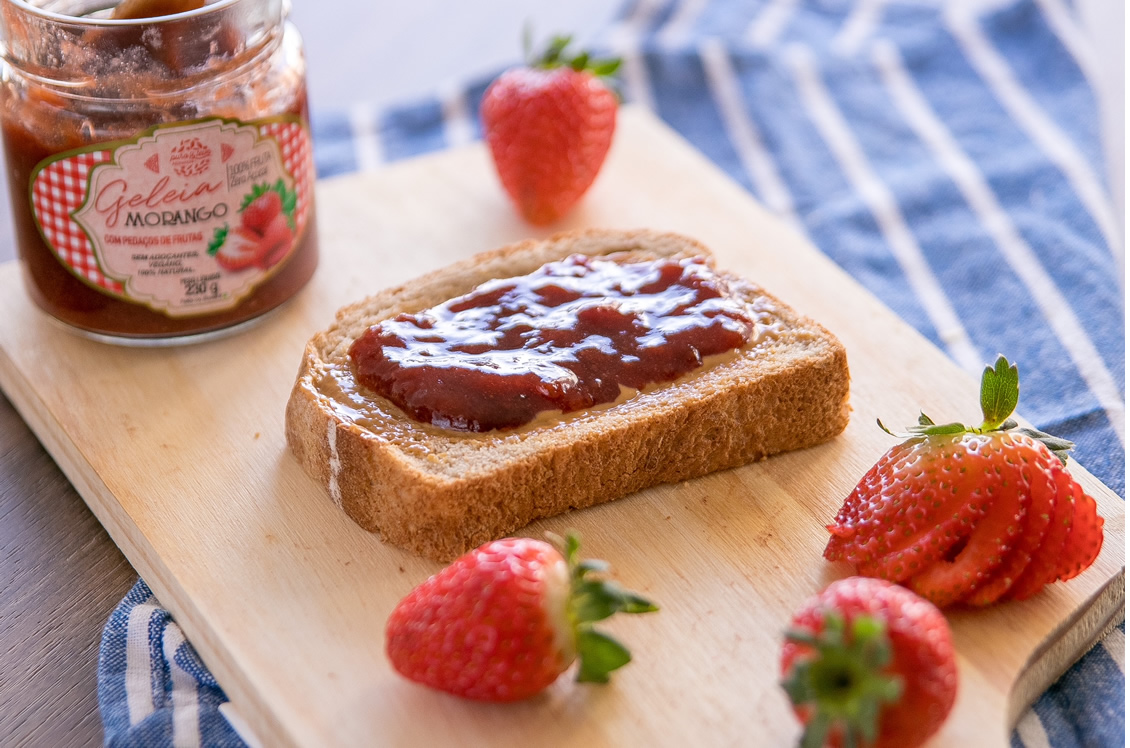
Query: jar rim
{"points": [[56, 17]]}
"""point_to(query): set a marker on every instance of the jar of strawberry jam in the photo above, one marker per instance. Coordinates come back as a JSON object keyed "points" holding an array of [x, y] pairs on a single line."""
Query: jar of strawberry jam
{"points": [[160, 162]]}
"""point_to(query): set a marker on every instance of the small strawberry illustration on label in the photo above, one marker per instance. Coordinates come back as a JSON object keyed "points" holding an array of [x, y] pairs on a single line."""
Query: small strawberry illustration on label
{"points": [[265, 233], [185, 219]]}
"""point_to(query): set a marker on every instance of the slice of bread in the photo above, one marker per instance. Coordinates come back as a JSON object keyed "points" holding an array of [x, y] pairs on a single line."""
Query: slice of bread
{"points": [[440, 493]]}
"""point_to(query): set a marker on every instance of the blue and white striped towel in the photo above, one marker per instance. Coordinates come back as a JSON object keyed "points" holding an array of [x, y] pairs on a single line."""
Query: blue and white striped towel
{"points": [[947, 155]]}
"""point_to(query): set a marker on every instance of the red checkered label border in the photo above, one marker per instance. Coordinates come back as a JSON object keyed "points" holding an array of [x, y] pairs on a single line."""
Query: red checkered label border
{"points": [[59, 189]]}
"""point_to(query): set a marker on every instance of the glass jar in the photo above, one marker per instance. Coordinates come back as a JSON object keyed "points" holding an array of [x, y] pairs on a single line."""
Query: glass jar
{"points": [[161, 170]]}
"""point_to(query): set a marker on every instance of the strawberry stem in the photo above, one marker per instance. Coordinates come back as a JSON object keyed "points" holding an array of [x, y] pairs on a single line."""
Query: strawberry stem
{"points": [[1000, 392], [842, 682], [593, 599], [554, 56]]}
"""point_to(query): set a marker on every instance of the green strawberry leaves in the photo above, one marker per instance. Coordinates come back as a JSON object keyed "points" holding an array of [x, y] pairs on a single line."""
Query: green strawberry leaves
{"points": [[600, 655], [554, 56], [218, 238], [843, 679], [594, 599], [1000, 393], [1059, 447], [599, 68], [925, 427]]}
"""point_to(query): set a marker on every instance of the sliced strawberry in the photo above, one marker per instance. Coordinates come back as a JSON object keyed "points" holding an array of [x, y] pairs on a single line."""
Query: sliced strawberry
{"points": [[931, 545], [889, 507], [239, 251], [276, 242], [1039, 472], [949, 581], [856, 531], [971, 514], [921, 499], [1045, 560], [1085, 539]]}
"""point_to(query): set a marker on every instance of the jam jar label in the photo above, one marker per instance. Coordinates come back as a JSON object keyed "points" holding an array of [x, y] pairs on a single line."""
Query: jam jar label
{"points": [[185, 219]]}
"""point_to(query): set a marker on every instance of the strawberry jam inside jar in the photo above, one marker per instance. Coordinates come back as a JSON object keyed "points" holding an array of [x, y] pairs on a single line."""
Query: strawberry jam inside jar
{"points": [[160, 163]]}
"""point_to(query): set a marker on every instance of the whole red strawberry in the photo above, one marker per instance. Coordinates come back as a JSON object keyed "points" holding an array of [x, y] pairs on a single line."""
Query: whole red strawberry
{"points": [[261, 210], [505, 620], [549, 126], [971, 515], [869, 663]]}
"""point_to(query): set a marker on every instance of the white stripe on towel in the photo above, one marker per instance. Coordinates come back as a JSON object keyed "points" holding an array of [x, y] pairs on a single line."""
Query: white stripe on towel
{"points": [[758, 164], [1020, 256], [366, 138], [770, 23], [849, 154], [993, 68], [677, 29], [858, 27], [1031, 731], [139, 664], [624, 40], [1074, 40], [457, 129], [186, 704]]}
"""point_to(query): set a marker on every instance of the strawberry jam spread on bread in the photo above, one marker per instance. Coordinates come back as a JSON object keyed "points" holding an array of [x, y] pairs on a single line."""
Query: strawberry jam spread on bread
{"points": [[440, 492], [564, 338]]}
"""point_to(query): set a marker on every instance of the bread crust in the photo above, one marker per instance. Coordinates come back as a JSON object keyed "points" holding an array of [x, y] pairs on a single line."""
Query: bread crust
{"points": [[439, 493]]}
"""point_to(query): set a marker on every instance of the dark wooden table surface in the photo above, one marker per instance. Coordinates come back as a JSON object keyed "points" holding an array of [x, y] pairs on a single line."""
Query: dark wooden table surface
{"points": [[60, 577]]}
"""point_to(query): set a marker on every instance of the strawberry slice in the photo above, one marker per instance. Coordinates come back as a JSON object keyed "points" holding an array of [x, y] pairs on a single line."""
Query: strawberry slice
{"points": [[949, 581], [928, 547], [239, 251], [890, 509], [1041, 485], [1045, 560], [922, 498], [859, 529], [1085, 539]]}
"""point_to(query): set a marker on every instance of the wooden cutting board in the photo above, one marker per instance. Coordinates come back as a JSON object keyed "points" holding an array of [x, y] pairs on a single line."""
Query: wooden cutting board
{"points": [[180, 453]]}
